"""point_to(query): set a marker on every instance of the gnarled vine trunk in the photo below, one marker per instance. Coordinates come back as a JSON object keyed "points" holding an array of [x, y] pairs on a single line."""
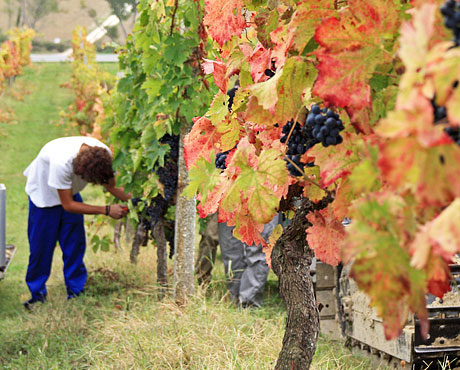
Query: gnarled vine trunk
{"points": [[291, 261]]}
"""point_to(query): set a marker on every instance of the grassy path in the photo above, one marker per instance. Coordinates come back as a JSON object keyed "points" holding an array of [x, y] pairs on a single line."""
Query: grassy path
{"points": [[119, 323], [37, 123]]}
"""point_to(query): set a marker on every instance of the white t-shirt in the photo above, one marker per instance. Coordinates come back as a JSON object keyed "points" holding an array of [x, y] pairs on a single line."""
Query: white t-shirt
{"points": [[52, 169]]}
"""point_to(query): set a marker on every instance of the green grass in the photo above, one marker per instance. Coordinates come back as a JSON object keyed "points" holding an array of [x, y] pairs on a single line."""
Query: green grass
{"points": [[119, 323]]}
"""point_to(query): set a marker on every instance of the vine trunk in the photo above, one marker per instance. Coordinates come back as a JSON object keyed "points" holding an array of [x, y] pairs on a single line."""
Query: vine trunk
{"points": [[291, 261]]}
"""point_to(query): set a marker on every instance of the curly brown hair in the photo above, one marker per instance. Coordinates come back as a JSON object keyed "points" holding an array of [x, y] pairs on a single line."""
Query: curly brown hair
{"points": [[94, 165]]}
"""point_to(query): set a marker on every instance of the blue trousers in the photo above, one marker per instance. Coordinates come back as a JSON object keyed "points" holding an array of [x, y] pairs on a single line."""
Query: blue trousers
{"points": [[46, 227]]}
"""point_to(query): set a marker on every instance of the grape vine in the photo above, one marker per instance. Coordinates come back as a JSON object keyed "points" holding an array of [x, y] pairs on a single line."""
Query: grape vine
{"points": [[387, 165], [155, 97]]}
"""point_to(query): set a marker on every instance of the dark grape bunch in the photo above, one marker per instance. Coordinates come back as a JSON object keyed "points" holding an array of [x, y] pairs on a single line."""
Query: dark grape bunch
{"points": [[451, 12], [300, 141], [326, 125], [440, 113], [321, 126], [454, 133], [156, 208], [220, 160]]}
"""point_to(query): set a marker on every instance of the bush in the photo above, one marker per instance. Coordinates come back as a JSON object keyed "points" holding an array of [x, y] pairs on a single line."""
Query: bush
{"points": [[48, 46]]}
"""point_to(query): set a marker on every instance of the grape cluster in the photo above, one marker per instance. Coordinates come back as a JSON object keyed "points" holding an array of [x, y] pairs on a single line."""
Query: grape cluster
{"points": [[231, 95], [270, 73], [299, 142], [156, 208], [439, 112], [326, 125], [451, 12], [220, 160], [454, 133]]}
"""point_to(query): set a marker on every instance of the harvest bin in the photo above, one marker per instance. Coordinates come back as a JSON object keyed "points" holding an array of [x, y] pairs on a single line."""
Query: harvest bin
{"points": [[6, 251]]}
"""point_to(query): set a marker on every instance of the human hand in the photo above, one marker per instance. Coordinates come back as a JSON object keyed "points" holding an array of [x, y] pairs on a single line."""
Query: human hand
{"points": [[118, 211]]}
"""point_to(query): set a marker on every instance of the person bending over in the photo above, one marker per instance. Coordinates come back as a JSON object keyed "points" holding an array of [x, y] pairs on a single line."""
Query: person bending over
{"points": [[62, 169]]}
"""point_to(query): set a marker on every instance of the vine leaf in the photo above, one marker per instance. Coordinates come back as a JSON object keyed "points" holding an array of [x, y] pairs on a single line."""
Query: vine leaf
{"points": [[439, 276], [203, 177], [351, 48], [231, 131], [414, 121], [310, 190], [266, 93], [292, 86], [414, 40], [261, 182], [266, 20], [308, 15], [335, 162], [259, 60], [256, 113], [325, 236], [381, 266], [224, 19], [218, 70], [432, 174], [200, 141], [439, 237]]}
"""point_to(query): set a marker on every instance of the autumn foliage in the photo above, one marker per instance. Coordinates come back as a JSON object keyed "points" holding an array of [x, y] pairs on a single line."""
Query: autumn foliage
{"points": [[381, 65], [90, 86], [15, 54]]}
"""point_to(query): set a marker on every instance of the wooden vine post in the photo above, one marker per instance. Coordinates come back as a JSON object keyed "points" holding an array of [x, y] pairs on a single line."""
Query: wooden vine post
{"points": [[184, 232]]}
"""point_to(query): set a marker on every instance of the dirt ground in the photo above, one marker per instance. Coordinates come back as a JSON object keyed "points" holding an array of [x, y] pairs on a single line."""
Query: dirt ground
{"points": [[60, 25]]}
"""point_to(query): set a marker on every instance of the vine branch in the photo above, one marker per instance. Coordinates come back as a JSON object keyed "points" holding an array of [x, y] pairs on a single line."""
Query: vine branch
{"points": [[173, 20]]}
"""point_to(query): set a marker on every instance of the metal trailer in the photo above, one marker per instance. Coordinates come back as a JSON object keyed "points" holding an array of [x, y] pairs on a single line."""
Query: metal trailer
{"points": [[345, 314], [6, 251]]}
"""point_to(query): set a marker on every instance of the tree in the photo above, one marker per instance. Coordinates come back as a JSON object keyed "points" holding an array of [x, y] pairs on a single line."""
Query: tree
{"points": [[356, 100], [123, 9], [32, 11], [10, 9]]}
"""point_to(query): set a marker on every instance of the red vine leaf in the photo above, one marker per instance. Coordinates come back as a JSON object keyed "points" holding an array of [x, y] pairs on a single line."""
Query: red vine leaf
{"points": [[325, 236], [351, 48], [259, 60], [219, 72], [439, 276], [224, 19], [394, 287], [440, 237], [200, 141], [337, 161], [432, 174], [308, 15], [249, 231]]}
